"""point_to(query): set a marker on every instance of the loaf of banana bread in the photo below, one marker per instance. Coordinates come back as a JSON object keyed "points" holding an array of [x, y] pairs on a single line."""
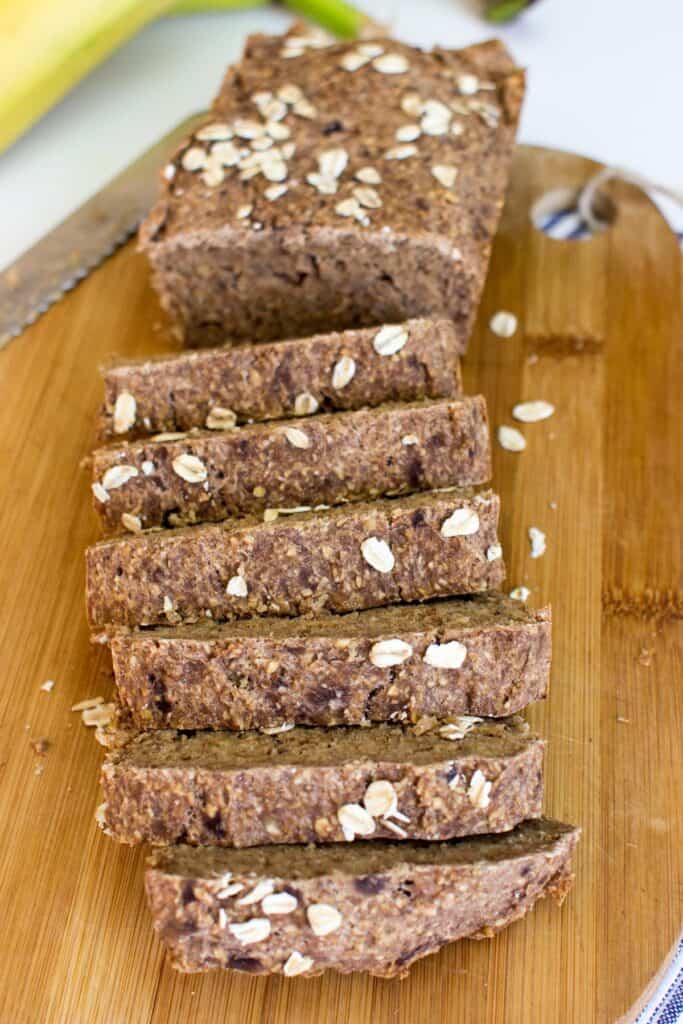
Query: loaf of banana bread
{"points": [[486, 655], [336, 186], [348, 558], [323, 785], [219, 387], [324, 460], [375, 907]]}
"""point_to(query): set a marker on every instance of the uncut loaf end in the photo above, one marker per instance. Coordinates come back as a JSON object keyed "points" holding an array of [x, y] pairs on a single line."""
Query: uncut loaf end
{"points": [[336, 186]]}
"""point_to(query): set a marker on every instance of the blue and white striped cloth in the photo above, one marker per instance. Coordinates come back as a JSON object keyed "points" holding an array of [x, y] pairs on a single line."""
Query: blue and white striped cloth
{"points": [[566, 224], [665, 1004], [565, 221]]}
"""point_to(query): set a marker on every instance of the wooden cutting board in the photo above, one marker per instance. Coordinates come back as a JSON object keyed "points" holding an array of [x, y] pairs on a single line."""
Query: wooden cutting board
{"points": [[602, 338]]}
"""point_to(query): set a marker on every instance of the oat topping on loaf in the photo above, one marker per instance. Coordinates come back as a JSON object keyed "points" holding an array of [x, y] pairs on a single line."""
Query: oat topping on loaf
{"points": [[343, 372], [387, 653], [219, 388], [389, 180], [462, 522], [124, 412], [459, 726], [353, 900], [378, 554], [446, 655]]}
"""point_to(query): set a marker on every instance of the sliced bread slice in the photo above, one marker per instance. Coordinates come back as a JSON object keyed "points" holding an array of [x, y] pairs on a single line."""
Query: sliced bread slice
{"points": [[324, 460], [352, 557], [218, 387], [485, 655], [373, 907], [316, 785]]}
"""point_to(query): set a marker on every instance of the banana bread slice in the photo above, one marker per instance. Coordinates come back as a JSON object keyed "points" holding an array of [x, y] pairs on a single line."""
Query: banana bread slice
{"points": [[486, 655], [281, 379], [348, 558], [336, 186], [316, 785], [329, 459], [375, 907]]}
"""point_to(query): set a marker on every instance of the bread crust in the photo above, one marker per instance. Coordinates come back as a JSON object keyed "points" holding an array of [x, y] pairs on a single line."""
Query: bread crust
{"points": [[475, 891], [320, 460], [249, 789], [300, 564], [263, 382], [329, 671]]}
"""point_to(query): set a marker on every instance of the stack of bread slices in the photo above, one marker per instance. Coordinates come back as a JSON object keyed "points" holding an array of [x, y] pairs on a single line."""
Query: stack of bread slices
{"points": [[318, 679]]}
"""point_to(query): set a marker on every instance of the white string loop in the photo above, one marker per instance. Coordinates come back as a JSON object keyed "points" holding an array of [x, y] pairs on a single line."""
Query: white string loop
{"points": [[585, 202]]}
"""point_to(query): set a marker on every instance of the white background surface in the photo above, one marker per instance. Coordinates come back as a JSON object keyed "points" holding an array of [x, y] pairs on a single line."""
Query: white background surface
{"points": [[605, 80]]}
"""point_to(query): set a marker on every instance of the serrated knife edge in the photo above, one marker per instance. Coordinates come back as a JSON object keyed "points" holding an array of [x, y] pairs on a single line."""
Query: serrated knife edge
{"points": [[84, 239]]}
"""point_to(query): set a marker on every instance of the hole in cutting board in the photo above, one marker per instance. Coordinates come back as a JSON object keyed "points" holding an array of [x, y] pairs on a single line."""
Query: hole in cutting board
{"points": [[557, 215]]}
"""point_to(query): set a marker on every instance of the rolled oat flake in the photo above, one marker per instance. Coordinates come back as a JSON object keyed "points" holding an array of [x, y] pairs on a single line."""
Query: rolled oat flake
{"points": [[323, 918], [117, 476], [99, 491], [131, 522], [479, 790], [297, 438], [390, 340], [305, 404], [220, 418], [343, 373], [387, 653], [237, 587], [391, 64], [124, 412], [533, 412], [494, 552], [261, 889], [503, 323], [255, 930], [279, 903], [448, 655], [511, 439], [380, 799], [378, 554], [463, 522], [355, 821], [537, 542], [189, 468], [296, 964]]}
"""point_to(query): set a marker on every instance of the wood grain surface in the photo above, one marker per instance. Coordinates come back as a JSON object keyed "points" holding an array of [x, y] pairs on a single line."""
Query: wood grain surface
{"points": [[601, 336]]}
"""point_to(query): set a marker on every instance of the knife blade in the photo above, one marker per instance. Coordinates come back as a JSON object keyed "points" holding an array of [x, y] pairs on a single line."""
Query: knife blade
{"points": [[67, 254]]}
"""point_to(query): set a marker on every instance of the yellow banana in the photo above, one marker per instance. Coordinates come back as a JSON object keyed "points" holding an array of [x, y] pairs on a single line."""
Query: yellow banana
{"points": [[47, 46]]}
